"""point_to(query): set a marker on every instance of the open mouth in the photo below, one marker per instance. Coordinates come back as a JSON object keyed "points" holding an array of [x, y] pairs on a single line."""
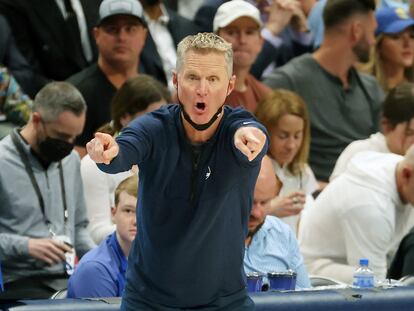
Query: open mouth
{"points": [[121, 49], [200, 106], [241, 51]]}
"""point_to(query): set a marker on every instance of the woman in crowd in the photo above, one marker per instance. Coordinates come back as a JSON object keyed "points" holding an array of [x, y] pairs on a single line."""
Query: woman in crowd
{"points": [[286, 119], [137, 96], [392, 58]]}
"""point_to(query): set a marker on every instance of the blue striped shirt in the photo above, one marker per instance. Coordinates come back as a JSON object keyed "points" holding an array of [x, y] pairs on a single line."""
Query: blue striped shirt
{"points": [[275, 248]]}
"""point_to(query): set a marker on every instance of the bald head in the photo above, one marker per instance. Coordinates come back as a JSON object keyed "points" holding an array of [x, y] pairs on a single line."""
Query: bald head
{"points": [[267, 187], [267, 184]]}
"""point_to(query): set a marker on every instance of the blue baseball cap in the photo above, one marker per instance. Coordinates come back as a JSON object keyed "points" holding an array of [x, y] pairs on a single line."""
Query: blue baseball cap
{"points": [[392, 21]]}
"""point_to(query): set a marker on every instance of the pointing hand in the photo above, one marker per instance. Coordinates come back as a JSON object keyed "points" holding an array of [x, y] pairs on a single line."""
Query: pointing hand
{"points": [[103, 148], [250, 141]]}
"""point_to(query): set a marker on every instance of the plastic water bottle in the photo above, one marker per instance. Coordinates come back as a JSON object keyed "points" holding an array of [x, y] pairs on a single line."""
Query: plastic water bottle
{"points": [[363, 275]]}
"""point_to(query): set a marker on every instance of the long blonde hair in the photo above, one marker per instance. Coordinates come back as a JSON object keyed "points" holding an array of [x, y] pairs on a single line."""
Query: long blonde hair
{"points": [[277, 104], [374, 66]]}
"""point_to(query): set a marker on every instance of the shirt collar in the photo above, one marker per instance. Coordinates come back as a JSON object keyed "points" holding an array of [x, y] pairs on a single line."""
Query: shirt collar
{"points": [[281, 171], [262, 232], [164, 19], [123, 262]]}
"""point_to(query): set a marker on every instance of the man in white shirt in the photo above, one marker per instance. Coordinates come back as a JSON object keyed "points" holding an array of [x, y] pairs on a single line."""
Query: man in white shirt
{"points": [[361, 214]]}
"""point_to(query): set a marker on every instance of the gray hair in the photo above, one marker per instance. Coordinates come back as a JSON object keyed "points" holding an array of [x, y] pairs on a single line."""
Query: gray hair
{"points": [[57, 97], [205, 42]]}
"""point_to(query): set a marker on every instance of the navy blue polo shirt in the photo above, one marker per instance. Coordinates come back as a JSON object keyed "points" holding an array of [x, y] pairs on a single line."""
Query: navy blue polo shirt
{"points": [[193, 208]]}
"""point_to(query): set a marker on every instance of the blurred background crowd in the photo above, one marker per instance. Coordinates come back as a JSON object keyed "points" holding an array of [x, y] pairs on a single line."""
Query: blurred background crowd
{"points": [[331, 80]]}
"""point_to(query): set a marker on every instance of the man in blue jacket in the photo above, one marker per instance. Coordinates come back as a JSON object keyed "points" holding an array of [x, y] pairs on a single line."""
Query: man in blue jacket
{"points": [[101, 272], [198, 163]]}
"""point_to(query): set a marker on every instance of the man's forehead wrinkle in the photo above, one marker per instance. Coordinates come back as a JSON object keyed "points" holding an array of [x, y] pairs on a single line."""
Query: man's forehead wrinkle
{"points": [[194, 64]]}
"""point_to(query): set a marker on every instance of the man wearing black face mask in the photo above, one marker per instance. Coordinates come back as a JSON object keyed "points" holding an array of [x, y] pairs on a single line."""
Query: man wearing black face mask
{"points": [[198, 167], [43, 218], [53, 149]]}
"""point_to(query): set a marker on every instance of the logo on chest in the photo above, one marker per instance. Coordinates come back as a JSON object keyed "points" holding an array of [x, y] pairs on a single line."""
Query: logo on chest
{"points": [[208, 172]]}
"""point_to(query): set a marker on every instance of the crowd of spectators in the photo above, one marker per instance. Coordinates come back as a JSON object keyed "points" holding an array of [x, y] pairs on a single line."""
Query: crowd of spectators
{"points": [[330, 81]]}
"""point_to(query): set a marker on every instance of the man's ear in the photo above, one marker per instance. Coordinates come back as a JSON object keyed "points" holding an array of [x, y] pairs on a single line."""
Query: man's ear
{"points": [[232, 83], [407, 173], [386, 126], [175, 79], [356, 31], [36, 118], [404, 175], [113, 212], [95, 32]]}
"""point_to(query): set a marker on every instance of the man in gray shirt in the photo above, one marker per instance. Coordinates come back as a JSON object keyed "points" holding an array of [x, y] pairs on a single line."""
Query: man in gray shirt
{"points": [[344, 105], [43, 218]]}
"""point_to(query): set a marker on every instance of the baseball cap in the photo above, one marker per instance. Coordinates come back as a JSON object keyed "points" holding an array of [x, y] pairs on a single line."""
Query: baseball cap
{"points": [[392, 21], [110, 8], [229, 11]]}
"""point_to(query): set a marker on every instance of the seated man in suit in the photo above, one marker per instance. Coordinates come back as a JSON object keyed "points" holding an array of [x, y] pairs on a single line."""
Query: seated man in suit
{"points": [[271, 245], [101, 272]]}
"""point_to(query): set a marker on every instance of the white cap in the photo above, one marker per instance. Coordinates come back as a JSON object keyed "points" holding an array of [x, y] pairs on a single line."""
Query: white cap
{"points": [[110, 8], [229, 11]]}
